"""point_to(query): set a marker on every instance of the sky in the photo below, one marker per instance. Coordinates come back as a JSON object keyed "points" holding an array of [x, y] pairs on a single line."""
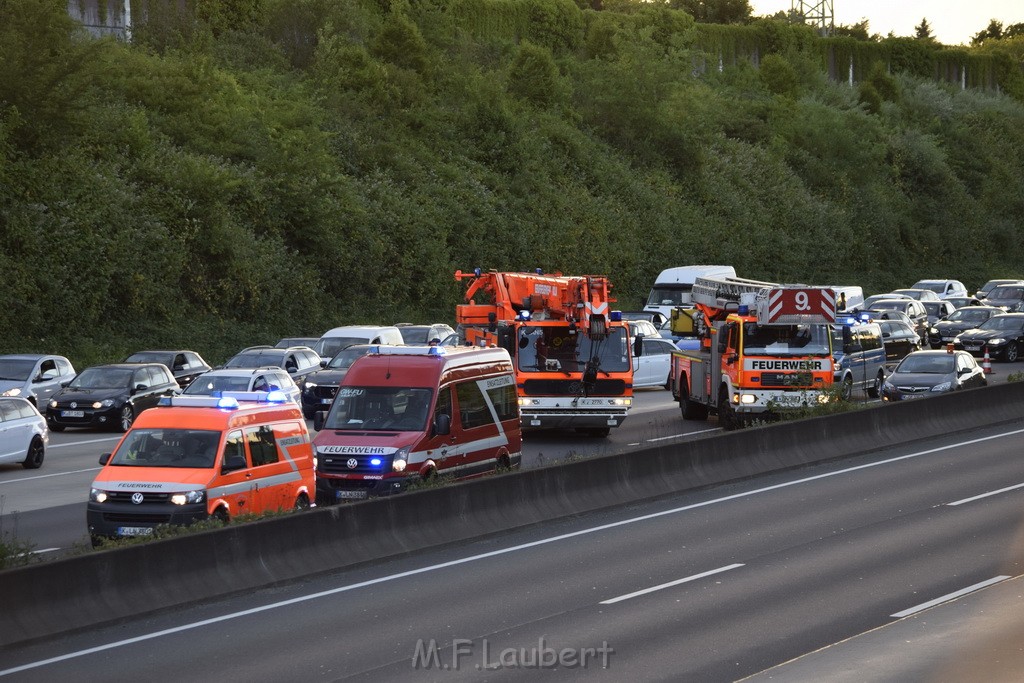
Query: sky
{"points": [[953, 22]]}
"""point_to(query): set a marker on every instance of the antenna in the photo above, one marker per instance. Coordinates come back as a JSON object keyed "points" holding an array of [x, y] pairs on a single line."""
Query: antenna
{"points": [[816, 13]]}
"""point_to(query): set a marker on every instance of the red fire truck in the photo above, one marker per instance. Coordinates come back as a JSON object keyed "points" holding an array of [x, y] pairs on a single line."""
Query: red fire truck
{"points": [[764, 348]]}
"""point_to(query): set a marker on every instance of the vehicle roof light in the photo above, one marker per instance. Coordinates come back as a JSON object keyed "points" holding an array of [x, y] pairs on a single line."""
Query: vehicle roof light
{"points": [[227, 402], [616, 316], [523, 315], [410, 350]]}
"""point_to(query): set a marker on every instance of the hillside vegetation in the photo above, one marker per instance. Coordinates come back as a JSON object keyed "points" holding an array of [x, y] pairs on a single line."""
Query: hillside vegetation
{"points": [[269, 167]]}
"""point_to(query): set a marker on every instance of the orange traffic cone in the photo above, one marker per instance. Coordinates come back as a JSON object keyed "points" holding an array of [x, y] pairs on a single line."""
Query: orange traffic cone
{"points": [[986, 364]]}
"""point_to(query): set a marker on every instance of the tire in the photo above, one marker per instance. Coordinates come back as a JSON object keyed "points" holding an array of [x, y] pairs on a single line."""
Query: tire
{"points": [[1012, 353], [875, 390], [502, 464], [726, 415], [846, 392], [54, 427], [34, 457], [125, 418], [221, 515], [301, 503]]}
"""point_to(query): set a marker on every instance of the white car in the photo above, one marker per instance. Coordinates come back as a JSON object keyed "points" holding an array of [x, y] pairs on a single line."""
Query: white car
{"points": [[651, 368], [944, 288], [244, 379], [23, 433]]}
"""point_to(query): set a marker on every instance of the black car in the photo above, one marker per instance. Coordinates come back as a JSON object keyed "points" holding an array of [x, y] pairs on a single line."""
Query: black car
{"points": [[913, 309], [899, 339], [1010, 298], [321, 386], [937, 310], [958, 322], [184, 365], [110, 396], [927, 373], [1002, 335], [297, 361]]}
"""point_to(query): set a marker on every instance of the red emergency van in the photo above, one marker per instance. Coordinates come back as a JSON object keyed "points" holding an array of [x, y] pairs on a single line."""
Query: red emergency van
{"points": [[408, 413]]}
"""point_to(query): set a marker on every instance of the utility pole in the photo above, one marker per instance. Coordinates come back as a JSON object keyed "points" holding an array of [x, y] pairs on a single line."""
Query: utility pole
{"points": [[816, 13]]}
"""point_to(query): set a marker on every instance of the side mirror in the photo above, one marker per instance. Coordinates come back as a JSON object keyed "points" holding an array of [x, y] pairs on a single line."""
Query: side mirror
{"points": [[139, 387], [318, 419], [323, 363], [443, 424], [233, 463], [886, 335], [523, 342], [638, 346], [105, 458]]}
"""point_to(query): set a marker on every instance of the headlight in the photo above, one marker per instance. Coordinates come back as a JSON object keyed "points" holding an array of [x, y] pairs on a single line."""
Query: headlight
{"points": [[97, 496], [997, 341], [621, 401], [16, 391], [945, 386], [53, 404], [933, 330], [188, 497], [748, 398], [105, 403], [310, 385], [401, 459]]}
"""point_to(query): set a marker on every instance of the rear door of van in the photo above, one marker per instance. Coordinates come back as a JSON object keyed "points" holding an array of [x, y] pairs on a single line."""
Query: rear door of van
{"points": [[482, 408]]}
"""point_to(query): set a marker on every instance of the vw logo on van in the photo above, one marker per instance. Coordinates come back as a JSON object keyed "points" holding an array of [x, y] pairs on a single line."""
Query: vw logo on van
{"points": [[352, 463], [74, 404], [137, 498]]}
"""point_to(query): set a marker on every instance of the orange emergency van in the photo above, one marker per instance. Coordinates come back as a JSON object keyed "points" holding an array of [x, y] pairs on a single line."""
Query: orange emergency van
{"points": [[407, 413], [194, 457]]}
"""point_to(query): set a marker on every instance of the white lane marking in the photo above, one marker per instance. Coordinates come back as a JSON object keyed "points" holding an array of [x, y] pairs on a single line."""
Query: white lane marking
{"points": [[487, 555], [986, 495], [676, 436], [80, 443], [950, 596], [44, 476], [44, 550], [652, 589]]}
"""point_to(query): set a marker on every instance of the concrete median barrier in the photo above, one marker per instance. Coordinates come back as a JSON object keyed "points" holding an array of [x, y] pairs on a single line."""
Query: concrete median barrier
{"points": [[46, 599]]}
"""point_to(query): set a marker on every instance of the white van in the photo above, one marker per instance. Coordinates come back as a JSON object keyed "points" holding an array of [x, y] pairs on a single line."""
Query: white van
{"points": [[336, 339], [673, 286], [848, 297]]}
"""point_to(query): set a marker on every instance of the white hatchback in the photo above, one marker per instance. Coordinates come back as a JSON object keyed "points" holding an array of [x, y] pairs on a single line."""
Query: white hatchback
{"points": [[23, 433], [651, 368], [943, 288]]}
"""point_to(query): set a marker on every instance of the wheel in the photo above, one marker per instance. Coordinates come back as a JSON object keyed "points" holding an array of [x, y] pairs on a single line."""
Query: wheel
{"points": [[599, 432], [302, 502], [503, 464], [1012, 353], [126, 418], [846, 390], [54, 427], [34, 458], [221, 515], [875, 390], [726, 415]]}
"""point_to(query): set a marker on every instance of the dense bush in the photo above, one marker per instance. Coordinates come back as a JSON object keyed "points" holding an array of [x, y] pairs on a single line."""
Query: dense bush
{"points": [[263, 168]]}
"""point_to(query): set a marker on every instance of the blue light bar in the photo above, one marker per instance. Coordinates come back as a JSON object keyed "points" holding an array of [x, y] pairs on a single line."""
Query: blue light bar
{"points": [[228, 402], [523, 315], [410, 350], [616, 316], [375, 462], [199, 402], [477, 272], [276, 396]]}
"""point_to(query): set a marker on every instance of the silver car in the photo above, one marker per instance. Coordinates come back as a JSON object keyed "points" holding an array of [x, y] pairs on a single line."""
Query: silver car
{"points": [[23, 433], [33, 376]]}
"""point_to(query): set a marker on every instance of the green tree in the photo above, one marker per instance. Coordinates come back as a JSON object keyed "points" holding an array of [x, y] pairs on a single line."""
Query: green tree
{"points": [[923, 31]]}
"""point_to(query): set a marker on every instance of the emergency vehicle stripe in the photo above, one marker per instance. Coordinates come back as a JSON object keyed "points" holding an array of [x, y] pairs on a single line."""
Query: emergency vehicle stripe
{"points": [[501, 439], [249, 484]]}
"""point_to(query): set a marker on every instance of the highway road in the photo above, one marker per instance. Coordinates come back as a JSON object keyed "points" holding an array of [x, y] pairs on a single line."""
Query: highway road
{"points": [[46, 507], [710, 585]]}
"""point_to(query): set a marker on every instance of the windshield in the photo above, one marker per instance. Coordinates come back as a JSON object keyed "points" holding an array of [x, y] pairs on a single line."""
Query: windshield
{"points": [[554, 349], [379, 409], [168, 448], [150, 357], [1002, 322], [204, 386], [346, 357], [257, 359], [670, 295], [415, 334], [937, 287], [1007, 292], [328, 347], [785, 340], [969, 315], [16, 369], [934, 307], [937, 364], [102, 378]]}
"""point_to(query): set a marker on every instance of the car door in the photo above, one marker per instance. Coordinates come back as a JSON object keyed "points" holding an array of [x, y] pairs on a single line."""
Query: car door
{"points": [[46, 380], [9, 437], [654, 362], [236, 486]]}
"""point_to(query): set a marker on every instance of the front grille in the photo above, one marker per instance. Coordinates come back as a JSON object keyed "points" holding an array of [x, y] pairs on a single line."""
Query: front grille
{"points": [[321, 392], [913, 390], [573, 387], [783, 379], [147, 497], [338, 464]]}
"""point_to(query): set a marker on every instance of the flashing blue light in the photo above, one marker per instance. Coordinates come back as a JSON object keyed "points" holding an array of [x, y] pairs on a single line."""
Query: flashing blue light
{"points": [[524, 315], [477, 272], [436, 351], [865, 316], [616, 316], [164, 401], [375, 462], [851, 321], [743, 309], [228, 402], [276, 397], [540, 271]]}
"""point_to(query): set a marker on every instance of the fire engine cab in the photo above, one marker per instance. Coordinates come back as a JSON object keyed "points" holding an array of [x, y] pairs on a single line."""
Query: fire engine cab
{"points": [[764, 348]]}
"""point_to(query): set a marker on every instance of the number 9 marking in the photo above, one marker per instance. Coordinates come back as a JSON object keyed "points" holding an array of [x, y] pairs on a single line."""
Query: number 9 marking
{"points": [[802, 301]]}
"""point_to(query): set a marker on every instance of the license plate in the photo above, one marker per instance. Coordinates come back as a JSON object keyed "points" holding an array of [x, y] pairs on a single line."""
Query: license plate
{"points": [[134, 531], [326, 401], [358, 494], [789, 400], [72, 413], [591, 402]]}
